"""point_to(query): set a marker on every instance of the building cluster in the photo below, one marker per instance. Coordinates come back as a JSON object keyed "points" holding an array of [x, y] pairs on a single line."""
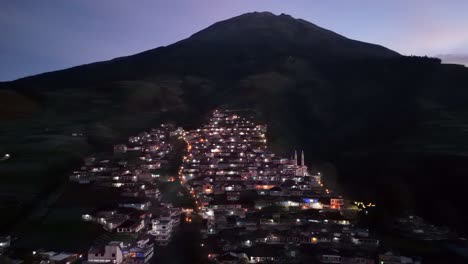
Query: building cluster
{"points": [[258, 206], [133, 166], [229, 154], [255, 206], [134, 170]]}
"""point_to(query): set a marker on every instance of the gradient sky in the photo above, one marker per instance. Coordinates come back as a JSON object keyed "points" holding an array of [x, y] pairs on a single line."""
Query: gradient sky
{"points": [[46, 35]]}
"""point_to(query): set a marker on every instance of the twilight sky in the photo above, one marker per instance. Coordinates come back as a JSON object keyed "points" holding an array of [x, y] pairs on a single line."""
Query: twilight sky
{"points": [[46, 35]]}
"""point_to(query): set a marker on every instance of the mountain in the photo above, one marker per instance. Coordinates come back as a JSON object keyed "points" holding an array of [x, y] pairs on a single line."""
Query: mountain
{"points": [[249, 36], [381, 126]]}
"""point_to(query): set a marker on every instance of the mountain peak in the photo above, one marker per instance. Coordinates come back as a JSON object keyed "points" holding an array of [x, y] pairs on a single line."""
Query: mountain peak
{"points": [[284, 32], [263, 14], [257, 13]]}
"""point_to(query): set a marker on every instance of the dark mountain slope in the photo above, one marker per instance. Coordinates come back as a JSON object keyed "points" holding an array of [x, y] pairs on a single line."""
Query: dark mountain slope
{"points": [[379, 117]]}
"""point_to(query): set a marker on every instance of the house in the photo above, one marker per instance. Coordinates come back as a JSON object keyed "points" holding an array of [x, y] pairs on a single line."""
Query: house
{"points": [[63, 258], [153, 193], [142, 252], [249, 224], [138, 204], [162, 229], [365, 242], [131, 226], [362, 232], [175, 215], [264, 253], [108, 219], [52, 257], [330, 258], [111, 253], [336, 203], [113, 223], [357, 260], [207, 188], [82, 177], [130, 192]]}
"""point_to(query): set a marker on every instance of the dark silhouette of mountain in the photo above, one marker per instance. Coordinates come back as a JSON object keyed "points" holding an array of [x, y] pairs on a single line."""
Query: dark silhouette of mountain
{"points": [[393, 127]]}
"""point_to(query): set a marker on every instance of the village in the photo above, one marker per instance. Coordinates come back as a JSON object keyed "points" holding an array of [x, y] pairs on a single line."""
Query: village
{"points": [[248, 204], [260, 207]]}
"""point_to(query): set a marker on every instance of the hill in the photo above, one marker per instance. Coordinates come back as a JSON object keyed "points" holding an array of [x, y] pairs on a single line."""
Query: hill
{"points": [[384, 127]]}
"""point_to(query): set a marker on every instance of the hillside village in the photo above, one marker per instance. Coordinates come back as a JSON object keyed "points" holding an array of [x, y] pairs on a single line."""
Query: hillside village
{"points": [[249, 204], [258, 206]]}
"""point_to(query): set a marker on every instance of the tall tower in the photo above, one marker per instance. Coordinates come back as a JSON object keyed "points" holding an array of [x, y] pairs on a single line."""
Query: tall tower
{"points": [[295, 157], [302, 159]]}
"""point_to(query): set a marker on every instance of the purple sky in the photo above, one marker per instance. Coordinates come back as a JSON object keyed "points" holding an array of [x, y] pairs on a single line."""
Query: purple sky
{"points": [[46, 35]]}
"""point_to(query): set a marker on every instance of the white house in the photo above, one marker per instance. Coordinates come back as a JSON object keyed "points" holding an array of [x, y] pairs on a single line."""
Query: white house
{"points": [[111, 253], [162, 230]]}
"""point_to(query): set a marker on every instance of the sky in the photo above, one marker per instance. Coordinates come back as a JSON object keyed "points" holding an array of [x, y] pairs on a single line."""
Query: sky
{"points": [[47, 35]]}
